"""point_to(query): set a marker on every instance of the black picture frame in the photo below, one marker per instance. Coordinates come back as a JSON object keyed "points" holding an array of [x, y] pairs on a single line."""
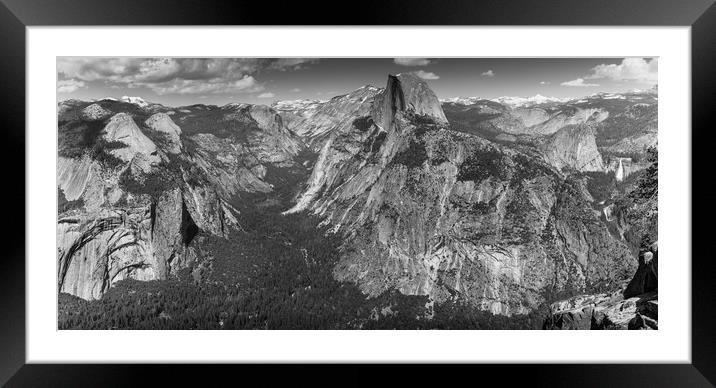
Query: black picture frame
{"points": [[16, 15]]}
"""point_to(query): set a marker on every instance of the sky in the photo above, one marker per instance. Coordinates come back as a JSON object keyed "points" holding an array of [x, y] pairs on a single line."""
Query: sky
{"points": [[218, 81]]}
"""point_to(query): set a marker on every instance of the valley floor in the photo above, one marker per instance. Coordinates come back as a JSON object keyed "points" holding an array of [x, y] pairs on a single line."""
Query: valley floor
{"points": [[275, 275]]}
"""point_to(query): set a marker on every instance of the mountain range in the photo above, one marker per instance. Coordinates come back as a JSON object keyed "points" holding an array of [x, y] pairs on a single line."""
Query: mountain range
{"points": [[507, 206]]}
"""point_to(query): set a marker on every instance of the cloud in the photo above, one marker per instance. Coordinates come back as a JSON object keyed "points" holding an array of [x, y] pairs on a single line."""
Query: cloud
{"points": [[426, 74], [488, 73], [295, 90], [630, 69], [291, 63], [247, 84], [579, 82], [266, 95], [70, 85], [544, 82], [177, 75], [412, 61]]}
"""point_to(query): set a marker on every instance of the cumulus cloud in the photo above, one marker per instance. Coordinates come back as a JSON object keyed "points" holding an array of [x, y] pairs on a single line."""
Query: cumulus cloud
{"points": [[544, 82], [579, 82], [488, 73], [245, 84], [177, 75], [295, 90], [70, 85], [630, 69], [426, 74], [412, 61], [266, 95], [291, 63]]}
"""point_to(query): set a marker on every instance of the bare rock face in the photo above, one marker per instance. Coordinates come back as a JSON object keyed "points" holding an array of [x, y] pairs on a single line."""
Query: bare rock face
{"points": [[141, 238], [274, 143], [172, 230], [161, 122], [407, 92], [132, 216], [239, 160], [143, 242], [229, 166], [99, 249], [315, 121], [429, 211], [206, 207], [74, 175], [573, 147], [122, 128]]}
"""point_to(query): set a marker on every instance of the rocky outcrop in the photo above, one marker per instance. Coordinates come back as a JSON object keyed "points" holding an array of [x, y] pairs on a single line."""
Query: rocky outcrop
{"points": [[144, 242], [74, 175], [406, 93], [162, 123], [646, 278], [573, 147], [634, 307], [121, 128], [605, 312]]}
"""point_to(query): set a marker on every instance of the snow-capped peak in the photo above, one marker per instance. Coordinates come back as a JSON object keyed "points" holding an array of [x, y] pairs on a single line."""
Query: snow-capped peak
{"points": [[526, 101], [139, 101], [461, 100], [293, 105]]}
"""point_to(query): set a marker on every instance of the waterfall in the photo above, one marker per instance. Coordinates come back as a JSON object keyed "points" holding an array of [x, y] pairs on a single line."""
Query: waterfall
{"points": [[620, 171]]}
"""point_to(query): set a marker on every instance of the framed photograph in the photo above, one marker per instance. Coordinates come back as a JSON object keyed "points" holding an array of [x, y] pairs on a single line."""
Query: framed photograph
{"points": [[422, 183]]}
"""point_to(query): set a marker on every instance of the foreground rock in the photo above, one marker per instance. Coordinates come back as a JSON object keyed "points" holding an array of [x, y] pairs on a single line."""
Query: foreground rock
{"points": [[634, 308]]}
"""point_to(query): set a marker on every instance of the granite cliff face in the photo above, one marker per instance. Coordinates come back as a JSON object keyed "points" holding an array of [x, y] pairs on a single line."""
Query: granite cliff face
{"points": [[315, 121], [130, 207], [574, 147], [430, 211]]}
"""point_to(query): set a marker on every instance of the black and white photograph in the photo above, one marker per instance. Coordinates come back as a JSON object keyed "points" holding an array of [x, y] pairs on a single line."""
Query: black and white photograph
{"points": [[208, 191], [357, 193]]}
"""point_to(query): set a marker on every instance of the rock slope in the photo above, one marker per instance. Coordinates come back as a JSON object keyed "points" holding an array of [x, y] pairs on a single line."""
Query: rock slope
{"points": [[574, 147], [430, 211]]}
